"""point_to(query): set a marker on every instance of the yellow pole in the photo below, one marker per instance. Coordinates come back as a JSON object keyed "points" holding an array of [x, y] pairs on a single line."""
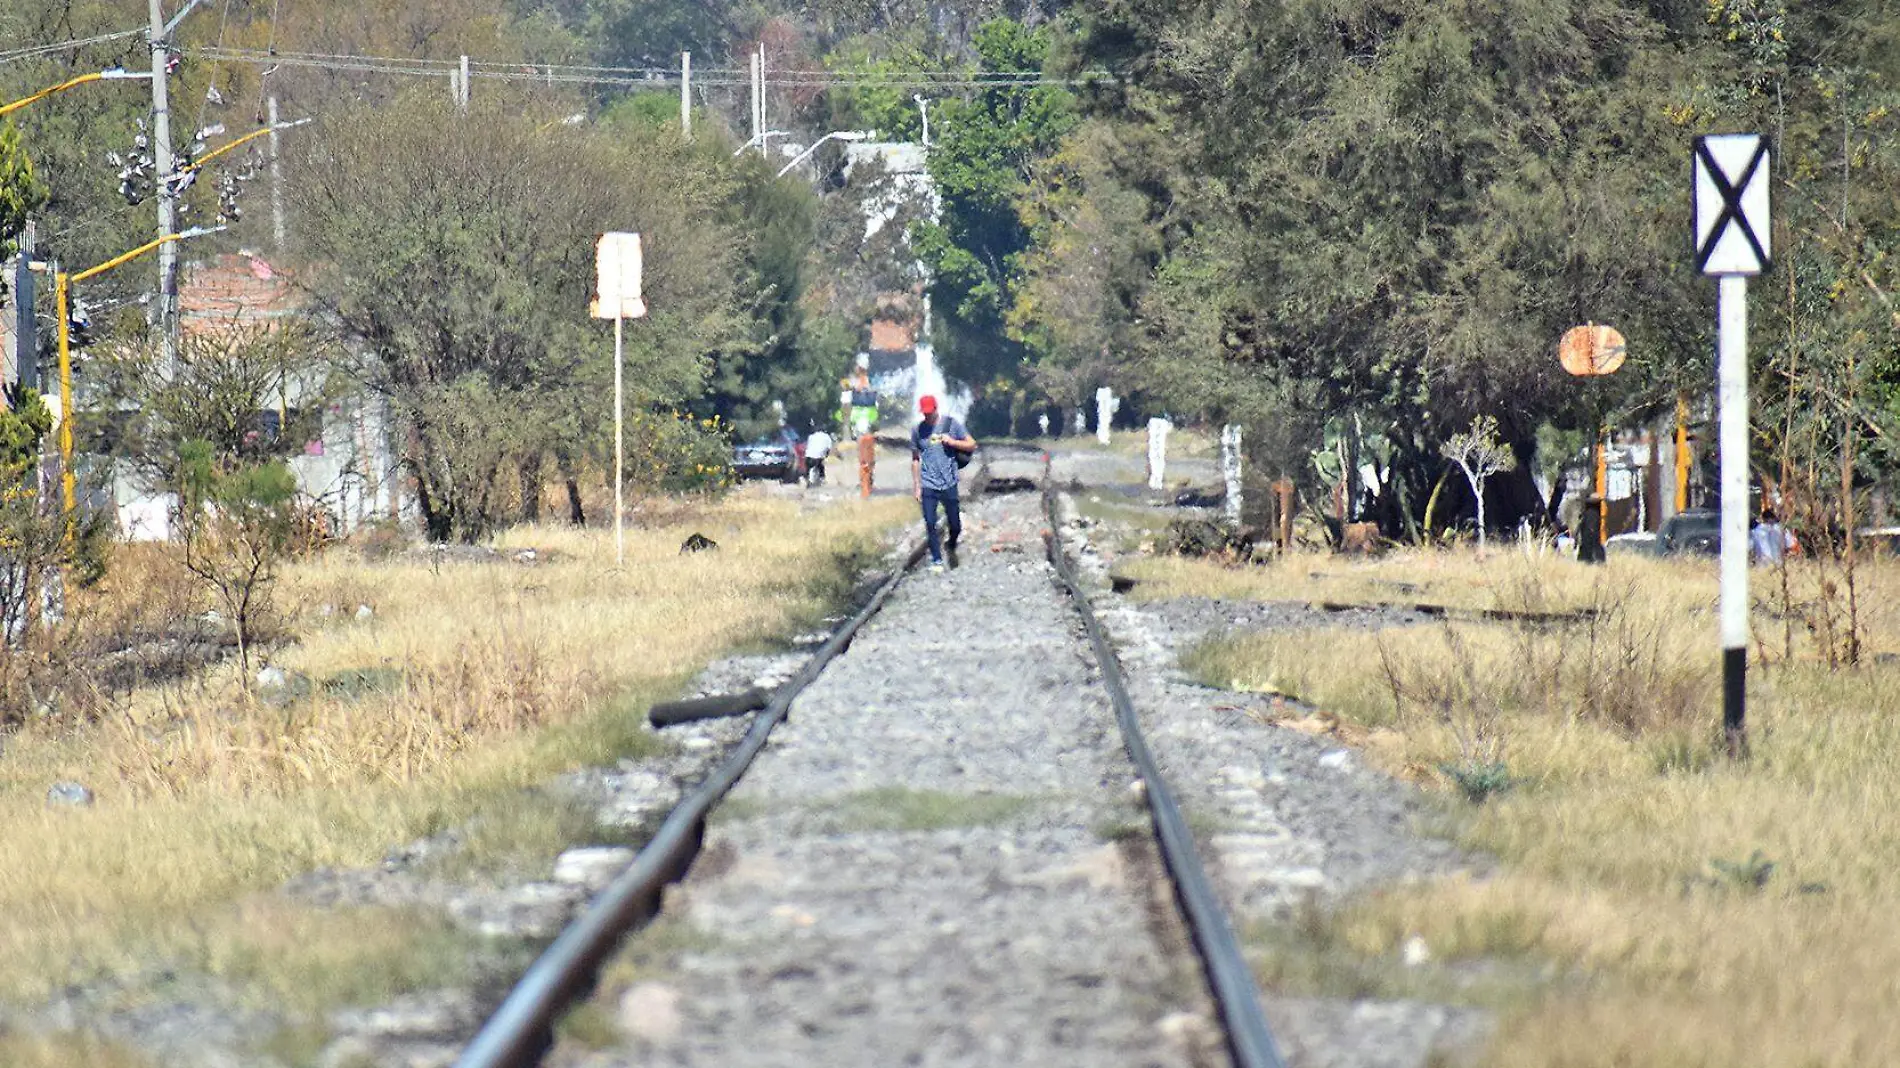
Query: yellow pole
{"points": [[1603, 485], [61, 284], [124, 256], [44, 93], [1682, 453], [222, 149]]}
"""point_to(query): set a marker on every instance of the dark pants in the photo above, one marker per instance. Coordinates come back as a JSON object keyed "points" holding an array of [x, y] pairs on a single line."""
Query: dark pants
{"points": [[815, 471], [951, 511]]}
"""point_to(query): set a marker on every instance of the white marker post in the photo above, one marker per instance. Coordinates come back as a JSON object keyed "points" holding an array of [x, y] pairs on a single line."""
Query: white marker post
{"points": [[1230, 460], [1158, 452], [1732, 242], [617, 297]]}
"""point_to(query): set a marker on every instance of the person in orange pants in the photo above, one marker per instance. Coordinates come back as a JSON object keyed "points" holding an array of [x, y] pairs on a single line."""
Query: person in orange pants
{"points": [[867, 459]]}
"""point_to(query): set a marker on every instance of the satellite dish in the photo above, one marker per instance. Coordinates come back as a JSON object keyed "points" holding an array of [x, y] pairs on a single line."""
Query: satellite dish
{"points": [[1592, 350]]}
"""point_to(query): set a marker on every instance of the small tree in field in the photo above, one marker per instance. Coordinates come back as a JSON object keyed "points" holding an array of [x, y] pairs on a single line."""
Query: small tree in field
{"points": [[1479, 454], [239, 523]]}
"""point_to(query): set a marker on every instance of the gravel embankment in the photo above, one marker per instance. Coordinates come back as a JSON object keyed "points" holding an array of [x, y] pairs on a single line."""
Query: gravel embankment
{"points": [[1289, 820]]}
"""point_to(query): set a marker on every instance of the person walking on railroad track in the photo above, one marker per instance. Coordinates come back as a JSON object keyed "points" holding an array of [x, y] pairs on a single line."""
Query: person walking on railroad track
{"points": [[933, 474]]}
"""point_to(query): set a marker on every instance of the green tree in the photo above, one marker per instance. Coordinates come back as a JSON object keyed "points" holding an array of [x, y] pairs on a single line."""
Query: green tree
{"points": [[21, 192], [790, 352], [792, 343], [82, 217], [1093, 246], [1400, 225], [37, 543], [1824, 81], [237, 522], [460, 250], [219, 390], [981, 154]]}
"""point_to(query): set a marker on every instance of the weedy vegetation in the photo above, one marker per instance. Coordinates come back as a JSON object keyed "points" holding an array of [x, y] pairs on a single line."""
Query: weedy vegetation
{"points": [[468, 681], [1671, 905]]}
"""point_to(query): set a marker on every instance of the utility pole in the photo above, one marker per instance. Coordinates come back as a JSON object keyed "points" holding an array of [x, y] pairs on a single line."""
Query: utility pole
{"points": [[686, 95], [26, 358], [758, 98], [165, 181], [276, 186]]}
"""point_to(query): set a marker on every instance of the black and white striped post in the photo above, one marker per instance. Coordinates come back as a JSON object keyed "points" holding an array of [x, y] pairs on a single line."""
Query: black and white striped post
{"points": [[1731, 175]]}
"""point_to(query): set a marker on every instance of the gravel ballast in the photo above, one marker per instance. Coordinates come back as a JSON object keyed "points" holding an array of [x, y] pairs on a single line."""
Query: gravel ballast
{"points": [[1288, 822], [930, 864]]}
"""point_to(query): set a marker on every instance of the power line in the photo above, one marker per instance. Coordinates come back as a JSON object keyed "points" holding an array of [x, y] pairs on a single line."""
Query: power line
{"points": [[211, 89], [649, 76], [33, 51]]}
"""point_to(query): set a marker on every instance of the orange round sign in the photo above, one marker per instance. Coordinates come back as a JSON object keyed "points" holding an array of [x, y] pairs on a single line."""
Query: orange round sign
{"points": [[1592, 350]]}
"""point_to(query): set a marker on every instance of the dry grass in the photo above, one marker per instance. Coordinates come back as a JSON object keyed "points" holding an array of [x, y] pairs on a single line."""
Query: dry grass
{"points": [[471, 681], [1507, 577], [1184, 443], [1634, 854], [61, 1050]]}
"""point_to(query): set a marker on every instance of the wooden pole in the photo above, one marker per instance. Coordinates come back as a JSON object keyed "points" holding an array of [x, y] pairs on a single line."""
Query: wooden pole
{"points": [[1682, 453], [620, 534]]}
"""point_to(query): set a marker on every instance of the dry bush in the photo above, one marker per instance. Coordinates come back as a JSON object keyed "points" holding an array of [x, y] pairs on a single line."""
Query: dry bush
{"points": [[1656, 905], [472, 680], [389, 723], [138, 624], [1626, 663]]}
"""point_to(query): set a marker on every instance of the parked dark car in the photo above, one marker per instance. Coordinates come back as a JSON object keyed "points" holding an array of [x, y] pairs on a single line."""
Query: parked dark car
{"points": [[780, 455], [1698, 531]]}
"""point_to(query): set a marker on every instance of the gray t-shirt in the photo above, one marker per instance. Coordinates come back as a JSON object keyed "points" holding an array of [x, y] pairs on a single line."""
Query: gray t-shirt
{"points": [[939, 469]]}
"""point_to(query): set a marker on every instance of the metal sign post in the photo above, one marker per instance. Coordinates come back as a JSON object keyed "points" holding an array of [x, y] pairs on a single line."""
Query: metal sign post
{"points": [[1592, 351], [617, 297], [1731, 242]]}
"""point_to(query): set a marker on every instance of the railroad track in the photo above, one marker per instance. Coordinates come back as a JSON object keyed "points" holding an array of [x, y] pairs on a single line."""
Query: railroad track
{"points": [[520, 1032]]}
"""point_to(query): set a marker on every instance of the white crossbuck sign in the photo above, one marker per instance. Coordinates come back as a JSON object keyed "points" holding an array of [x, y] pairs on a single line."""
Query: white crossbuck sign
{"points": [[1731, 204]]}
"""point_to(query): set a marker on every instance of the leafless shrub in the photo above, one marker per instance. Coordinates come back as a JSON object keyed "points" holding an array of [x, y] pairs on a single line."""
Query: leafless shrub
{"points": [[1617, 664]]}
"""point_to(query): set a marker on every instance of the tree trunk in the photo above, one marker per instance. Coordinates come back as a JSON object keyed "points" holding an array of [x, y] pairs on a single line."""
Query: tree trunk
{"points": [[530, 472], [1477, 490], [437, 522], [1350, 476], [564, 462]]}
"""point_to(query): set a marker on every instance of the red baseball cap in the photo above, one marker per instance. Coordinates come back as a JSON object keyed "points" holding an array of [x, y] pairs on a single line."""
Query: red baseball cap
{"points": [[927, 404]]}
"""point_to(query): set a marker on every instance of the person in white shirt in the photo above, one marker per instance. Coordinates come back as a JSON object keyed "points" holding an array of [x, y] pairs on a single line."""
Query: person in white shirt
{"points": [[817, 447], [1768, 540]]}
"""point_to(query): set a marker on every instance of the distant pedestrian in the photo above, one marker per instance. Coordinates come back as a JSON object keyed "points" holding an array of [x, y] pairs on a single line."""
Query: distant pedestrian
{"points": [[817, 447], [1768, 540], [1042, 422], [861, 419], [933, 474]]}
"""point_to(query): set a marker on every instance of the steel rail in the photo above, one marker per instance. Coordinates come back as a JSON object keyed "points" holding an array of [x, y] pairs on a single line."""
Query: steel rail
{"points": [[522, 1029], [1236, 994]]}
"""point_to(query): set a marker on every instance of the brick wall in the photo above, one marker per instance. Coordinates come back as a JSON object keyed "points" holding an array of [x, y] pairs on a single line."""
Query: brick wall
{"points": [[889, 336], [235, 288]]}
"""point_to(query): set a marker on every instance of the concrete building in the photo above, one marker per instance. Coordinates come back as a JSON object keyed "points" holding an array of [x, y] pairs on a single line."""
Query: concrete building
{"points": [[896, 183], [348, 467]]}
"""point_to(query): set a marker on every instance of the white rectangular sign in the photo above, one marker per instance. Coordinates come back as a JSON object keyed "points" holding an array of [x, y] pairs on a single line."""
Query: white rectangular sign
{"points": [[1731, 204], [617, 278]]}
